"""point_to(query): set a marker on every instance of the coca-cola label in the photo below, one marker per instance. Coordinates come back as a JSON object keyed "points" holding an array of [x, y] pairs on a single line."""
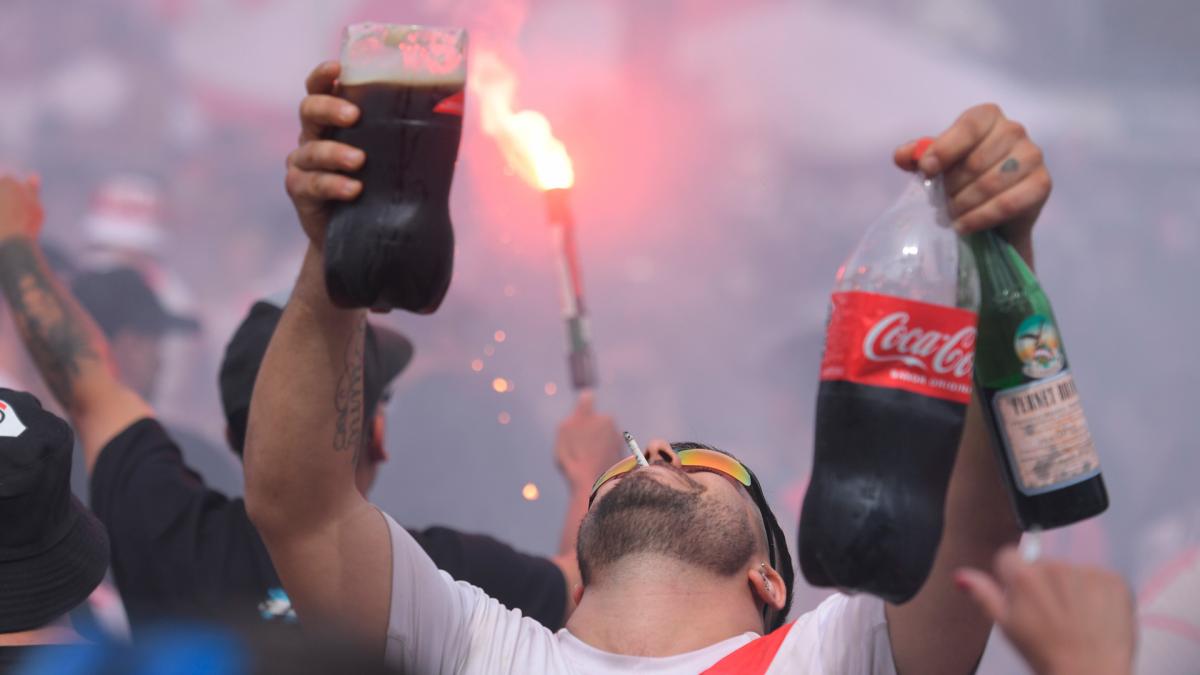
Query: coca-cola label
{"points": [[885, 341]]}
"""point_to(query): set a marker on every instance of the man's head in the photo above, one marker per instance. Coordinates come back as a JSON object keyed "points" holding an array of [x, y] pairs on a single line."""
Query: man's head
{"points": [[386, 355], [134, 321], [701, 517], [53, 551]]}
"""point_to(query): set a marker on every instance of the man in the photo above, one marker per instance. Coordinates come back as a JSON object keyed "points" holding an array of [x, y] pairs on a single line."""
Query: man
{"points": [[180, 547], [680, 567], [133, 321], [53, 552], [136, 325]]}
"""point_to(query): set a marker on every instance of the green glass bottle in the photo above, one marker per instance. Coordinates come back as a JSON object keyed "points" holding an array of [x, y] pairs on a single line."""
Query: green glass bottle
{"points": [[1029, 396]]}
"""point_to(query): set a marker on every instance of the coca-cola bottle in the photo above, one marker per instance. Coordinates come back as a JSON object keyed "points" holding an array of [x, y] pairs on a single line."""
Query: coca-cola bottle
{"points": [[1029, 396], [894, 387]]}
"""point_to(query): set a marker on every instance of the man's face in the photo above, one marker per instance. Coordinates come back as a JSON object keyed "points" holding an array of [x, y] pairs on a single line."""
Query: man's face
{"points": [[139, 359], [697, 516]]}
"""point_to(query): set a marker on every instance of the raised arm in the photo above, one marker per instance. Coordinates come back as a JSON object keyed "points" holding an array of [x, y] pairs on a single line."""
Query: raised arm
{"points": [[68, 349], [586, 445], [306, 429], [994, 177]]}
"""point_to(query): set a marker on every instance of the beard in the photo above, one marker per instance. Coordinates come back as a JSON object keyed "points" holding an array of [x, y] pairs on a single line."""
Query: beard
{"points": [[642, 515]]}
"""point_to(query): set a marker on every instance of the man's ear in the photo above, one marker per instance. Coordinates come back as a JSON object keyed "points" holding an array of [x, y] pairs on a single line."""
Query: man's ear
{"points": [[377, 451], [577, 593], [768, 586]]}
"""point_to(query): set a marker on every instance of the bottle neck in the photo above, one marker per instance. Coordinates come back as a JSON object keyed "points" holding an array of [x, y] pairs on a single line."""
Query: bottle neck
{"points": [[1002, 273]]}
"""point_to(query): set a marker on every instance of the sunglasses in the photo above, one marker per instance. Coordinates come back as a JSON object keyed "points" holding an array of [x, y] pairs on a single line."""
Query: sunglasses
{"points": [[698, 458]]}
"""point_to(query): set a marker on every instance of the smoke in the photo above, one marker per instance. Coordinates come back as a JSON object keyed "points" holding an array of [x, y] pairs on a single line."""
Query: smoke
{"points": [[727, 157]]}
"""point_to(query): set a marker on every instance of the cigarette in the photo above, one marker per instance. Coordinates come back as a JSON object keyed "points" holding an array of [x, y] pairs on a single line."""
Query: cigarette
{"points": [[1031, 547], [637, 451]]}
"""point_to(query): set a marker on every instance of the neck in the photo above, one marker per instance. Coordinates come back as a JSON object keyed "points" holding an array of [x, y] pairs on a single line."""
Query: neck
{"points": [[652, 605], [59, 632]]}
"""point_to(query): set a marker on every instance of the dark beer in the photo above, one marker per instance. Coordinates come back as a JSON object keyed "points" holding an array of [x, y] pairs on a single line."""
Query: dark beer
{"points": [[394, 245]]}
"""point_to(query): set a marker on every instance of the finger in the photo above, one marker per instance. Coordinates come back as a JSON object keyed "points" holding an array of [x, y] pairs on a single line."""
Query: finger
{"points": [[321, 186], [1023, 199], [586, 402], [323, 77], [326, 156], [1005, 173], [34, 181], [656, 446], [1006, 136], [956, 142], [1007, 564], [985, 591], [905, 156], [319, 111]]}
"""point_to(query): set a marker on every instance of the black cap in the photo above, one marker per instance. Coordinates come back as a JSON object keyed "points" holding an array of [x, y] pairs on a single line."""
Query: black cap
{"points": [[387, 353], [119, 298], [53, 551]]}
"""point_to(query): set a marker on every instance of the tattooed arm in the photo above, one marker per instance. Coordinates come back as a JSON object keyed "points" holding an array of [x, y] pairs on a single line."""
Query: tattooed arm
{"points": [[330, 546], [68, 349]]}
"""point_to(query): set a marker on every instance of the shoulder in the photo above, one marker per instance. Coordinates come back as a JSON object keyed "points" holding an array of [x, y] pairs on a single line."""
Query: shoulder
{"points": [[844, 634]]}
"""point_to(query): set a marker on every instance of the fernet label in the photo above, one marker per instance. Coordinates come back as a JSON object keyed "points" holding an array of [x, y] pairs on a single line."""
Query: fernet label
{"points": [[885, 341]]}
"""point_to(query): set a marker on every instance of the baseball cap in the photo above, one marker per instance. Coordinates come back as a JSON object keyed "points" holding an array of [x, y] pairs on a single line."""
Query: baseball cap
{"points": [[119, 298], [386, 355], [53, 551]]}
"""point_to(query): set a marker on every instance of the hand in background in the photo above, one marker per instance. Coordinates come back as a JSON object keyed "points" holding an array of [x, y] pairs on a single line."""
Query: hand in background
{"points": [[1063, 619], [587, 445]]}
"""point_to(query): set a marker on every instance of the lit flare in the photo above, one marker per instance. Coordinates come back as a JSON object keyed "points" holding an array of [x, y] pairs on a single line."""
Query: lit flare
{"points": [[524, 136]]}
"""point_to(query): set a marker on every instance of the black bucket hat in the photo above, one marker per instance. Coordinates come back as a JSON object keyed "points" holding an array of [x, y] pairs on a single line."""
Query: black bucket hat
{"points": [[53, 551], [387, 353]]}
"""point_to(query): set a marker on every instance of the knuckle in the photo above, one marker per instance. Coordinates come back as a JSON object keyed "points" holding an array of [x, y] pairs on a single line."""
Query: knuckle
{"points": [[1015, 129], [976, 163], [989, 110], [1041, 181]]}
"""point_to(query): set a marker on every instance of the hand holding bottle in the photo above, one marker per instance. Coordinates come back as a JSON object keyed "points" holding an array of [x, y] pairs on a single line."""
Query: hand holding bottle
{"points": [[994, 174]]}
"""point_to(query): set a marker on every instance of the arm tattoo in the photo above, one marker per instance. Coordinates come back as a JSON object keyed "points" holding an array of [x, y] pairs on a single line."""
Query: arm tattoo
{"points": [[1010, 165], [348, 398], [56, 338]]}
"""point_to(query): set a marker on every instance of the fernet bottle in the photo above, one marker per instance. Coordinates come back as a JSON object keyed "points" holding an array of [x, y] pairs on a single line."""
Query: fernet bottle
{"points": [[1029, 397], [894, 387]]}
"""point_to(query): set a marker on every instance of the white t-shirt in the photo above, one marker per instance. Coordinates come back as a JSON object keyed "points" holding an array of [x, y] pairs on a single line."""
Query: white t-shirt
{"points": [[439, 625]]}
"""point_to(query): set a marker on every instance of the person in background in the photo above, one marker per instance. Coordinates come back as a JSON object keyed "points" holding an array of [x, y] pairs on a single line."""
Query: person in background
{"points": [[1063, 619], [53, 551], [137, 325], [182, 548]]}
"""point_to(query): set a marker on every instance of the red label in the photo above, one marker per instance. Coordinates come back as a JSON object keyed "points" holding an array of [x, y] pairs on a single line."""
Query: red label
{"points": [[451, 105], [885, 341]]}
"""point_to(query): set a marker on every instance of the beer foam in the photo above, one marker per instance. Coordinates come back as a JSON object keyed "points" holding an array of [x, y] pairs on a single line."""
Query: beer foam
{"points": [[403, 54]]}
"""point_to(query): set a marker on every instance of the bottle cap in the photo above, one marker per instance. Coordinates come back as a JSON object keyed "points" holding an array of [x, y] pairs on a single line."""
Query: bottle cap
{"points": [[922, 145]]}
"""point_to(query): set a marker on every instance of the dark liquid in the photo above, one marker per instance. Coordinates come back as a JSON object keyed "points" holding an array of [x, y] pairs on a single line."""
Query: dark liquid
{"points": [[1059, 507], [872, 516], [394, 245]]}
